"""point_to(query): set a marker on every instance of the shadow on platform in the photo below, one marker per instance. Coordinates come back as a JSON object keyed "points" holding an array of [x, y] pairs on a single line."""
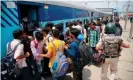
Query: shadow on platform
{"points": [[86, 74]]}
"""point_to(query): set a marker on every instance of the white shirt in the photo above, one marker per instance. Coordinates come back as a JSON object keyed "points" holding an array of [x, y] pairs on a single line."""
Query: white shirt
{"points": [[19, 51], [85, 33], [77, 27], [103, 28], [67, 29], [48, 39]]}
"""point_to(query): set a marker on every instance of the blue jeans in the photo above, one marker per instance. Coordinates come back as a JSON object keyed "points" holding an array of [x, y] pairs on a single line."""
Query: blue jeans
{"points": [[40, 65]]}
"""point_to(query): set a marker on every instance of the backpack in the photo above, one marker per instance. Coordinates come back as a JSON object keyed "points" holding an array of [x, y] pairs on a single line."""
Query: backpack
{"points": [[60, 65], [85, 53], [111, 46], [8, 64]]}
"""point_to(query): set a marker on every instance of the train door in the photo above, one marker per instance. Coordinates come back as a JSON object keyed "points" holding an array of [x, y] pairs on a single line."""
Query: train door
{"points": [[28, 17], [28, 11], [32, 14]]}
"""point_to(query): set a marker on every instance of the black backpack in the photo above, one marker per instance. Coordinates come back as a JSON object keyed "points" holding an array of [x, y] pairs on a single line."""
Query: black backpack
{"points": [[85, 54], [8, 64]]}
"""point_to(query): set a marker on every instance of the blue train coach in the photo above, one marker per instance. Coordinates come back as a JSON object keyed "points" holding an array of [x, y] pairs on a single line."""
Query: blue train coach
{"points": [[12, 13]]}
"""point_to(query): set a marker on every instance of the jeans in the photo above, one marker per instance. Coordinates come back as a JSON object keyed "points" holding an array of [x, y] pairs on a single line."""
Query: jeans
{"points": [[77, 72], [40, 69], [40, 65]]}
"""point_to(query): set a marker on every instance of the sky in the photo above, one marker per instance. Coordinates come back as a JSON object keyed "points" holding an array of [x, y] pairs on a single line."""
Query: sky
{"points": [[116, 4], [104, 4], [112, 4]]}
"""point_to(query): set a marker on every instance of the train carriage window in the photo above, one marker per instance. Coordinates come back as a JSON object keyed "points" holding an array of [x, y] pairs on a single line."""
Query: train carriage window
{"points": [[84, 21], [91, 20], [67, 24]]}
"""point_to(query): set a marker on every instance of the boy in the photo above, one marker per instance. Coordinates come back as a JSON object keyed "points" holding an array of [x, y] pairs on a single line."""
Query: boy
{"points": [[37, 49], [73, 51], [94, 36], [51, 54]]}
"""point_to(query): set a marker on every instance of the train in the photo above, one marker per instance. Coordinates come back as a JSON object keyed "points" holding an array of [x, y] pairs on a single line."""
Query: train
{"points": [[12, 13]]}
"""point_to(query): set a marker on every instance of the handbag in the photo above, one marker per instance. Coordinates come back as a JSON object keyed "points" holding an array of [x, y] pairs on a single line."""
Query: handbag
{"points": [[98, 57]]}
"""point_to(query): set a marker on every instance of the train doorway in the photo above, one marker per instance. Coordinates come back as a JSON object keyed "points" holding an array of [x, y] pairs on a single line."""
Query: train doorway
{"points": [[28, 11]]}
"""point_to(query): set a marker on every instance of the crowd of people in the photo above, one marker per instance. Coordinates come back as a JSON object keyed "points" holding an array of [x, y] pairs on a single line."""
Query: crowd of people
{"points": [[35, 51]]}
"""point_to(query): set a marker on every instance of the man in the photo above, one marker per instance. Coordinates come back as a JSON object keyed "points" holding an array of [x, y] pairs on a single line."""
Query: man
{"points": [[105, 20], [37, 49], [98, 24], [118, 27], [60, 28], [67, 30], [94, 36], [27, 50], [78, 25], [86, 26], [49, 26], [73, 52], [19, 55], [47, 39], [131, 19], [25, 24], [83, 31], [37, 29], [51, 54], [111, 45]]}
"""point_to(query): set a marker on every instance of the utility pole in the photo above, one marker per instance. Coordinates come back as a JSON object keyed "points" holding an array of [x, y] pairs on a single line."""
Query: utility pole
{"points": [[108, 4], [126, 17]]}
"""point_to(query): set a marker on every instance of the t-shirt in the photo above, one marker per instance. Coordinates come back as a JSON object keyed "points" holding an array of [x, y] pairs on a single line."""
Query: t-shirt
{"points": [[19, 51], [37, 50], [52, 50], [73, 50], [94, 36]]}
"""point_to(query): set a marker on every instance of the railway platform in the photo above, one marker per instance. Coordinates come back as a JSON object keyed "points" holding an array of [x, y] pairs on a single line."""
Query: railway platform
{"points": [[125, 64]]}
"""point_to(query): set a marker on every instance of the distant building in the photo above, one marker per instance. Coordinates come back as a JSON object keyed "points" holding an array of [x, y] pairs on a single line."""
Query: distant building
{"points": [[108, 10]]}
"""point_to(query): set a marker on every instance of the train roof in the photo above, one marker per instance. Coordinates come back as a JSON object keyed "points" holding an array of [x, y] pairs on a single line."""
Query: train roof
{"points": [[67, 4], [107, 13]]}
